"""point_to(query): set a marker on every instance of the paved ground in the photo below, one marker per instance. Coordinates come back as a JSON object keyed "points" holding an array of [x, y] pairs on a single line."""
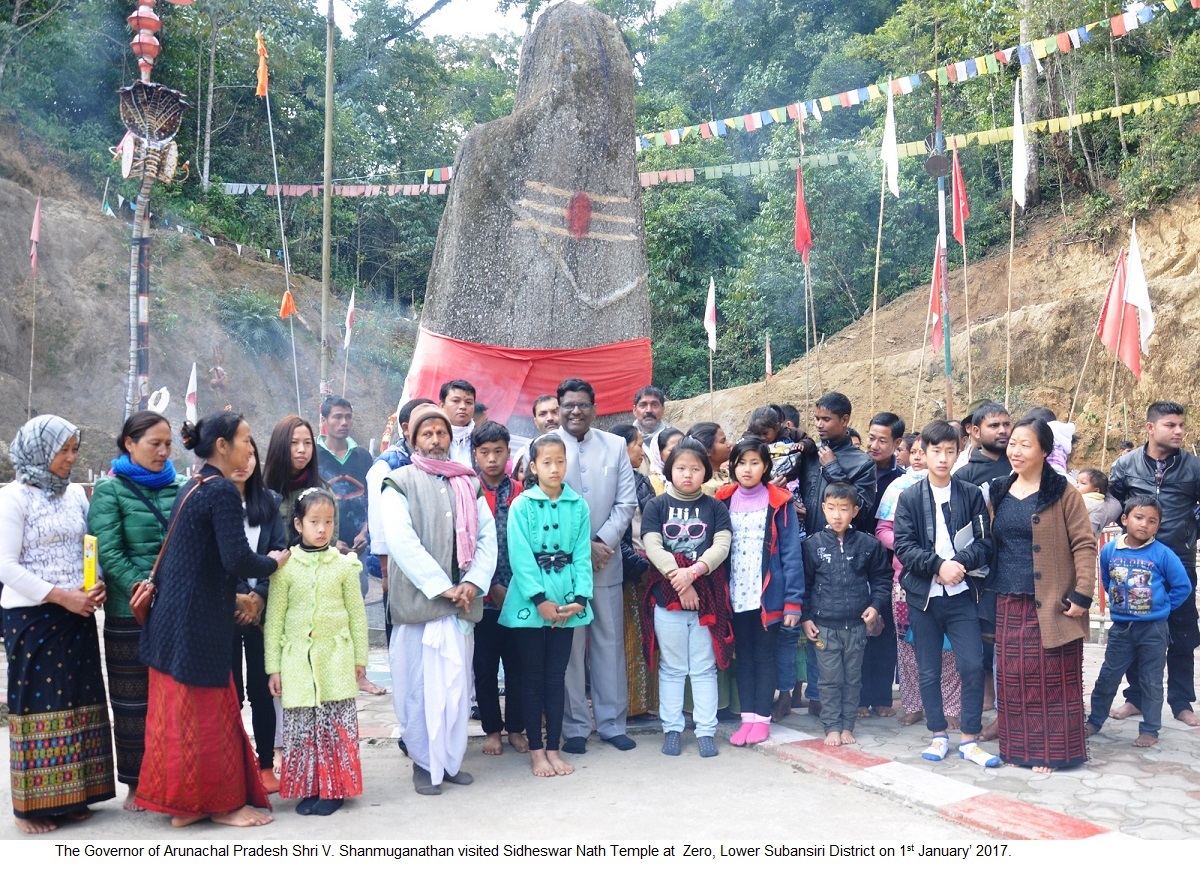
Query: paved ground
{"points": [[1152, 793]]}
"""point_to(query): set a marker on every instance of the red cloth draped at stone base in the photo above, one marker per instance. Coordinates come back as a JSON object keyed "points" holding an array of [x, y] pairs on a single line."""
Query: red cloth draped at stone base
{"points": [[508, 380]]}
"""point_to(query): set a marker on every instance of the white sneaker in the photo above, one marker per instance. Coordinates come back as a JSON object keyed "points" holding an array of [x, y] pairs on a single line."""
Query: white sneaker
{"points": [[978, 755], [937, 749]]}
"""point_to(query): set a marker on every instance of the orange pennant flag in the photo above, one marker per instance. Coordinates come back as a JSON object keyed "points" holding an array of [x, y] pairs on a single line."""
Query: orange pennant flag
{"points": [[261, 91], [289, 305]]}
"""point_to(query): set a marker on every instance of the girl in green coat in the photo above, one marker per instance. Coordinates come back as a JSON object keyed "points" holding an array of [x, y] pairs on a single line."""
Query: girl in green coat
{"points": [[316, 651], [550, 551]]}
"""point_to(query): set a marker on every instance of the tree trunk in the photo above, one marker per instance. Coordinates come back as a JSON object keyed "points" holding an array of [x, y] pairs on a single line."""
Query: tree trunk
{"points": [[208, 108]]}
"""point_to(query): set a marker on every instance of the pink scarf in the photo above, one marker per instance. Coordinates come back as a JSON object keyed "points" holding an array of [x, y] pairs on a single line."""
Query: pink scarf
{"points": [[466, 510]]}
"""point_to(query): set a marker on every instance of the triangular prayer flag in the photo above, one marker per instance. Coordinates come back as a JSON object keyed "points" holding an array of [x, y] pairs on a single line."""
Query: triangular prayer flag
{"points": [[35, 234], [888, 152], [1137, 292], [261, 90], [1117, 318], [962, 210], [1020, 165], [349, 321], [935, 297], [189, 398], [710, 314], [803, 228]]}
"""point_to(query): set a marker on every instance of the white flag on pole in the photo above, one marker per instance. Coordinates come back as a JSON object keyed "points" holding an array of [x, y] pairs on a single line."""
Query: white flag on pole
{"points": [[189, 399], [710, 315], [1137, 292], [1020, 167], [890, 153], [349, 322]]}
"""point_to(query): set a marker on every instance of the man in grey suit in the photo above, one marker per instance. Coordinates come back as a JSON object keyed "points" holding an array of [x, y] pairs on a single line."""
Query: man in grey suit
{"points": [[598, 470]]}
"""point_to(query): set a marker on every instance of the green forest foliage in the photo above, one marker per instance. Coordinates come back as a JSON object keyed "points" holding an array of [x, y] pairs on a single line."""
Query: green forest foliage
{"points": [[404, 101]]}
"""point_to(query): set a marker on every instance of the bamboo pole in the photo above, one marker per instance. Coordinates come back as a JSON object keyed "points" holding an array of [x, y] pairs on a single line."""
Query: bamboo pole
{"points": [[711, 413], [875, 291], [967, 308], [1012, 242], [812, 302], [287, 259], [921, 370], [1083, 368], [1112, 384], [32, 345], [807, 347], [327, 203]]}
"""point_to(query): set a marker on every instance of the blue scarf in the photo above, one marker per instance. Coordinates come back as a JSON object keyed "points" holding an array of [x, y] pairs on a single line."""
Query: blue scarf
{"points": [[140, 475]]}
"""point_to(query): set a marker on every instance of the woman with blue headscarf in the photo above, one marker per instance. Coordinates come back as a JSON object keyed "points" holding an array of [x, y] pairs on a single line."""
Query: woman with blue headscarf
{"points": [[60, 742]]}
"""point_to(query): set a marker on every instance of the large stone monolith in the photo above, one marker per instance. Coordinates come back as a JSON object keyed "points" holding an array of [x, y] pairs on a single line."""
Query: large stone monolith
{"points": [[542, 242]]}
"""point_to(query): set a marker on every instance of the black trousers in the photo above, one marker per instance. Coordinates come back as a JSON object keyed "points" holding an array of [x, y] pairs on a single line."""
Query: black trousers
{"points": [[756, 674], [495, 644], [879, 665], [248, 640], [1181, 663], [544, 656]]}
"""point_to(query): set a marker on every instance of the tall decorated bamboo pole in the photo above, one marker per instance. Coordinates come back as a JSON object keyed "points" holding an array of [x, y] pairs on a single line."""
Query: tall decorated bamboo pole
{"points": [[327, 204], [875, 290], [939, 165], [889, 155], [151, 113], [1020, 174]]}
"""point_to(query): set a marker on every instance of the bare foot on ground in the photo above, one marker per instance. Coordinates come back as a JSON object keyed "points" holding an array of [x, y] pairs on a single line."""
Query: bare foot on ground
{"points": [[864, 712], [557, 763], [1042, 769], [1145, 740], [885, 712], [1188, 718], [539, 764], [1092, 730], [277, 765], [365, 686], [131, 801], [833, 739], [40, 826], [180, 822], [518, 741], [1125, 711], [492, 745], [912, 718], [848, 737], [78, 816], [954, 722], [243, 818], [991, 731]]}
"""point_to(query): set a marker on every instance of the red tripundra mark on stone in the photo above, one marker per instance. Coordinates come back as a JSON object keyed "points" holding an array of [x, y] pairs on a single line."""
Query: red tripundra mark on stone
{"points": [[579, 215]]}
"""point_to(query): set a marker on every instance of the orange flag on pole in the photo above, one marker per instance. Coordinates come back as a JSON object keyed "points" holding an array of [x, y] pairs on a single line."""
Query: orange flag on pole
{"points": [[261, 91], [289, 305]]}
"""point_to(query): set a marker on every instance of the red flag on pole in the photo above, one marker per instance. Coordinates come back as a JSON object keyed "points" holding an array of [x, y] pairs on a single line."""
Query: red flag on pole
{"points": [[803, 229], [1118, 328], [263, 77], [962, 210], [34, 236], [935, 296]]}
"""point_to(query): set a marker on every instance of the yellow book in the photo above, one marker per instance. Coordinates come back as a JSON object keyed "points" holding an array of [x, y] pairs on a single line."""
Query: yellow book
{"points": [[89, 561]]}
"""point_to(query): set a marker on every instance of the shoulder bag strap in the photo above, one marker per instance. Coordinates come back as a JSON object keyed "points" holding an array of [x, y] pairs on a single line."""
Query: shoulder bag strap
{"points": [[175, 520], [136, 491]]}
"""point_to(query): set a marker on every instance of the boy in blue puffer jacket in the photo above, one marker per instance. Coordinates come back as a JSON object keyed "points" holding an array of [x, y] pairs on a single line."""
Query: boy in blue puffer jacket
{"points": [[1145, 582]]}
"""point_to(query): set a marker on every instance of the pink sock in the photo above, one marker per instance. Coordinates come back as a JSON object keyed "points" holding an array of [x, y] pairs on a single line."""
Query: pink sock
{"points": [[760, 730], [738, 738]]}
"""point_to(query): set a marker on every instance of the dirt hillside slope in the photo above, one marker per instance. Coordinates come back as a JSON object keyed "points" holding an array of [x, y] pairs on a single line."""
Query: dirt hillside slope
{"points": [[1058, 287], [82, 318]]}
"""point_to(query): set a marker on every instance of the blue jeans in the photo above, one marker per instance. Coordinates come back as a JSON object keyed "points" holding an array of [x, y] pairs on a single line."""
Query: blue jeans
{"points": [[785, 658], [686, 651], [957, 618], [1130, 642]]}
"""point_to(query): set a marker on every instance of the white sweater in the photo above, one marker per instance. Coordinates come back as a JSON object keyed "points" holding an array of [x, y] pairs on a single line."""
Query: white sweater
{"points": [[41, 542]]}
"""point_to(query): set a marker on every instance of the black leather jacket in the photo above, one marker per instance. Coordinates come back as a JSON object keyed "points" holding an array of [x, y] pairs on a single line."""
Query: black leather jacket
{"points": [[844, 579], [1179, 493], [851, 466]]}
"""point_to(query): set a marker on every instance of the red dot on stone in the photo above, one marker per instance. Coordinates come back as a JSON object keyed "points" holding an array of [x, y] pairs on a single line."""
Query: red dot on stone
{"points": [[579, 215]]}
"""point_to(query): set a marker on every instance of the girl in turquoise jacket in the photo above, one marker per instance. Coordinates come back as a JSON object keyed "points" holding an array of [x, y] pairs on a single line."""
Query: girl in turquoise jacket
{"points": [[550, 551]]}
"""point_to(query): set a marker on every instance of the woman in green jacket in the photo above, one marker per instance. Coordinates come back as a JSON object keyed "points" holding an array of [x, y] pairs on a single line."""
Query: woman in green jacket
{"points": [[550, 551], [128, 516]]}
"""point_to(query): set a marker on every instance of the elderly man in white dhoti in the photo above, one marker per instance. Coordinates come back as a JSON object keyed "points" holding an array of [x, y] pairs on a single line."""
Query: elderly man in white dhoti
{"points": [[441, 542]]}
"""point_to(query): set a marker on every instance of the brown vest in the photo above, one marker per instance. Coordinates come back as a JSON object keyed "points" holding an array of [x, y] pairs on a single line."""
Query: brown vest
{"points": [[431, 508]]}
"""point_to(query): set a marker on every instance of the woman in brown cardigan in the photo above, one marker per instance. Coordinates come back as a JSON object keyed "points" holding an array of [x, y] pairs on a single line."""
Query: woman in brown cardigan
{"points": [[1044, 575]]}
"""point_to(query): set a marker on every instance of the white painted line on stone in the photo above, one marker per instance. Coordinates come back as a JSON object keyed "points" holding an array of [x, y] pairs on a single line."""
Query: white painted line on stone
{"points": [[784, 735], [913, 784]]}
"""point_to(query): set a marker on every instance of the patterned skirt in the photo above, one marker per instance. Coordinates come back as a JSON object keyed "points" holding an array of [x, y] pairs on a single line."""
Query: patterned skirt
{"points": [[641, 679], [60, 743], [1039, 693], [128, 689], [320, 751], [198, 758]]}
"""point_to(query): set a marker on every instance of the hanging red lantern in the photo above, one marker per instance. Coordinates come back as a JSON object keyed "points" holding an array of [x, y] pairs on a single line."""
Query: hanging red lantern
{"points": [[145, 19], [145, 46]]}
